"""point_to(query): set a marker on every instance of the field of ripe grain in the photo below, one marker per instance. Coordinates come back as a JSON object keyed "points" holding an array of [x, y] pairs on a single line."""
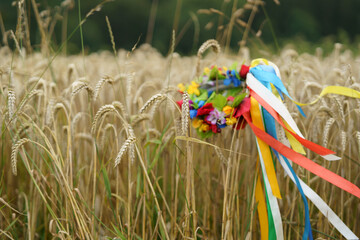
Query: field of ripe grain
{"points": [[90, 148]]}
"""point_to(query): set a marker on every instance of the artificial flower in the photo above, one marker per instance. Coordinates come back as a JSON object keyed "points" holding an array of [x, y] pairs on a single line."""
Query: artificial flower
{"points": [[207, 70], [244, 70], [243, 107], [197, 122], [198, 104], [231, 121], [181, 87], [232, 78], [228, 110], [204, 110], [204, 127], [215, 116], [215, 129], [193, 88], [193, 113]]}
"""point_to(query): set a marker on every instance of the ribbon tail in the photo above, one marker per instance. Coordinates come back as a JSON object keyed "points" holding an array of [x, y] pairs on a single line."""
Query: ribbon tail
{"points": [[261, 208], [303, 161], [274, 216], [320, 204], [324, 152], [270, 127]]}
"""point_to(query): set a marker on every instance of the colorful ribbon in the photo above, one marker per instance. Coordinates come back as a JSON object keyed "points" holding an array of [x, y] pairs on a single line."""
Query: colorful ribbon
{"points": [[263, 111]]}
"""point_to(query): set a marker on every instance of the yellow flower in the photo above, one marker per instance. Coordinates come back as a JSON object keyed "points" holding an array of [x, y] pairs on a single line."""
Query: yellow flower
{"points": [[207, 70], [193, 88], [230, 121], [181, 87], [225, 69], [204, 127], [228, 110], [197, 122]]}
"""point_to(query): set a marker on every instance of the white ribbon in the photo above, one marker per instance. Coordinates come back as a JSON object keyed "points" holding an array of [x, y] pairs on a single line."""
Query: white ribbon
{"points": [[321, 205]]}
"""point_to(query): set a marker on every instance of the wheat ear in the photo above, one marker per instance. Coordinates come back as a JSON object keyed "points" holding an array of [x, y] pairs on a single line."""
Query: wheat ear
{"points": [[123, 149], [156, 98], [14, 152], [209, 43]]}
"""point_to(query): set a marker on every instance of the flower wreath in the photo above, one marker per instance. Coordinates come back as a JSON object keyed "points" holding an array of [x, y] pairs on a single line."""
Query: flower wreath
{"points": [[217, 99]]}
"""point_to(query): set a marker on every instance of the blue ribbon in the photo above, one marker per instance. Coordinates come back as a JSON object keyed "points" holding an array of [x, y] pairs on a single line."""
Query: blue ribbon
{"points": [[266, 74]]}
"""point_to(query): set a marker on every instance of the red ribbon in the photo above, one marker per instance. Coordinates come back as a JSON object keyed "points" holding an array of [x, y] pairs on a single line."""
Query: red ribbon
{"points": [[303, 161], [306, 143]]}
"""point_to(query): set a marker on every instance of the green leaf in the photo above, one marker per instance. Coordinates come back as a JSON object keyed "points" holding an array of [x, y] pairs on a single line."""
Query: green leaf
{"points": [[204, 135], [138, 182], [213, 73], [219, 101], [211, 97], [203, 95], [220, 76], [156, 141], [118, 232], [106, 182], [238, 99], [192, 96], [233, 66], [233, 91]]}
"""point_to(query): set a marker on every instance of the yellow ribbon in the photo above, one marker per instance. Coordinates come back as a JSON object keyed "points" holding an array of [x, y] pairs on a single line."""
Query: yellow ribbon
{"points": [[265, 149], [333, 90], [295, 144], [261, 206]]}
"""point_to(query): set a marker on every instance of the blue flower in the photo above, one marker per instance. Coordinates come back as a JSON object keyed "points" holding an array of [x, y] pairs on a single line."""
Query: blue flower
{"points": [[196, 105], [193, 113], [231, 77], [200, 103]]}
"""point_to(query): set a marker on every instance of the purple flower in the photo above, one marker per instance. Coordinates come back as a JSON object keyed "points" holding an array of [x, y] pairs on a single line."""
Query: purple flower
{"points": [[215, 116]]}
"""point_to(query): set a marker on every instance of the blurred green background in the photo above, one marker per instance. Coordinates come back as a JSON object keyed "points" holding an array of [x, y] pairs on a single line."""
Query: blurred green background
{"points": [[306, 23]]}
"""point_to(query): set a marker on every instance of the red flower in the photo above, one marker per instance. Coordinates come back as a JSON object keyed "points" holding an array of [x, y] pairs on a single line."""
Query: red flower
{"points": [[205, 110], [244, 70], [243, 107], [215, 129]]}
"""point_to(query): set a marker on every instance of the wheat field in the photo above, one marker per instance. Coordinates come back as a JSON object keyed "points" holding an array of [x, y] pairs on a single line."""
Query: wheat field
{"points": [[93, 147]]}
